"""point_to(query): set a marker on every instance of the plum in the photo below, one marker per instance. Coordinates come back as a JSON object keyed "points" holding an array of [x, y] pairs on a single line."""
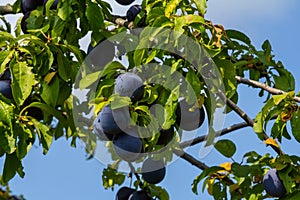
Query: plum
{"points": [[125, 2], [98, 130], [137, 94], [108, 122], [29, 5], [189, 118], [124, 193], [127, 83], [153, 171], [165, 136], [132, 12], [273, 185], [128, 146], [102, 55], [5, 84], [140, 195], [24, 23], [5, 89]]}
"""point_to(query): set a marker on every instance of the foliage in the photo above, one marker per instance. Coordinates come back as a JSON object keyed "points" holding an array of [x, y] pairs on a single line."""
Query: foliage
{"points": [[45, 64]]}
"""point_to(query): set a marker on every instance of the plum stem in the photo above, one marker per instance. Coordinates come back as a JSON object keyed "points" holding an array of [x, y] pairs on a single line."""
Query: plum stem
{"points": [[132, 169]]}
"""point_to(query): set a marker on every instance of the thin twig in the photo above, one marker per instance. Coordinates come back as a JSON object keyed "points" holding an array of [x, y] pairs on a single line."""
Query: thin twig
{"points": [[190, 159], [224, 131], [263, 86], [7, 9]]}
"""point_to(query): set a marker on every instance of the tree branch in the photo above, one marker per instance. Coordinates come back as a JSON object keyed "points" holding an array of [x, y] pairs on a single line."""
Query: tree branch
{"points": [[7, 9], [237, 109], [189, 158], [262, 86], [247, 119], [224, 131]]}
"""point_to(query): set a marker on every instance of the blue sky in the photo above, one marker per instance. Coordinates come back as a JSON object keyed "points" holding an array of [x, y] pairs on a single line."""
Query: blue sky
{"points": [[64, 173]]}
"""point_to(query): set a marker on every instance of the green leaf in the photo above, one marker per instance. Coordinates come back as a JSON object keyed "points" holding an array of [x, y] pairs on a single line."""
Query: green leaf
{"points": [[44, 133], [47, 109], [111, 68], [285, 80], [240, 170], [65, 11], [234, 34], [279, 98], [295, 124], [12, 165], [119, 101], [159, 192], [205, 173], [22, 82], [89, 79], [293, 196], [7, 140], [111, 177], [194, 81], [50, 91], [228, 73], [201, 6], [226, 147], [96, 21], [63, 66], [25, 140]]}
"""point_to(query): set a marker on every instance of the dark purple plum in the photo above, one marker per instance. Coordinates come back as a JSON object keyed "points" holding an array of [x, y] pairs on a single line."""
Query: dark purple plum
{"points": [[98, 130], [24, 23], [165, 136], [124, 193], [153, 171], [5, 84], [132, 12], [126, 84], [102, 53], [189, 118], [125, 2], [5, 88], [128, 147], [137, 94], [108, 122], [273, 185], [140, 195], [29, 5]]}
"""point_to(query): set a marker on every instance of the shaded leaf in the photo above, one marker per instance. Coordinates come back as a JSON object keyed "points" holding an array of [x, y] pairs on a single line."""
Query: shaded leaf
{"points": [[226, 147]]}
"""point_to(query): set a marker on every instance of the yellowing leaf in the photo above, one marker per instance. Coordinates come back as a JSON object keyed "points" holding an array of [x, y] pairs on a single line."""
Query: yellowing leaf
{"points": [[226, 166], [49, 77], [210, 186], [233, 187], [271, 141], [171, 7]]}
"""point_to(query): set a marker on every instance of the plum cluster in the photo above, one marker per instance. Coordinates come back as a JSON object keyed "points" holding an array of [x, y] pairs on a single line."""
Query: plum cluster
{"points": [[29, 5], [149, 175], [129, 144]]}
